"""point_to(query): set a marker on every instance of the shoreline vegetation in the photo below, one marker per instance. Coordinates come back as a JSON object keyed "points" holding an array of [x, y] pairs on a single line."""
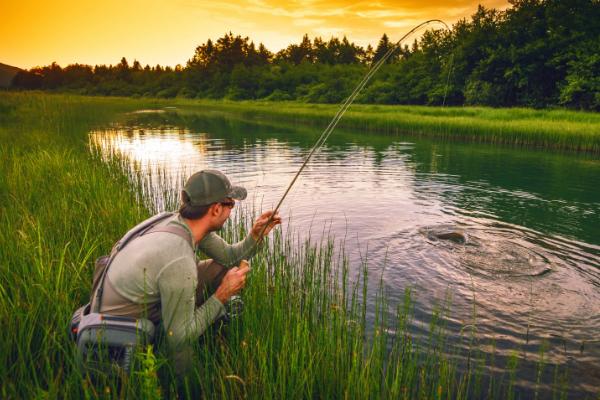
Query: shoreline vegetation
{"points": [[304, 333], [534, 53], [552, 129]]}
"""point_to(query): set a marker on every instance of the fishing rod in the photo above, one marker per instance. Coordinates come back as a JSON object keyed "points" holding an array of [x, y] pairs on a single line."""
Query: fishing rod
{"points": [[342, 110]]}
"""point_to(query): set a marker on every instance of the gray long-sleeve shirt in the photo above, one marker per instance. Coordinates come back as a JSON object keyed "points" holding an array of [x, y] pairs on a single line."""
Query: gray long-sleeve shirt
{"points": [[155, 276]]}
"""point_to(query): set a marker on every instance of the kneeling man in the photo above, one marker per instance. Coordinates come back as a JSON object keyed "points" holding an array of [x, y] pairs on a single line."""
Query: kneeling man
{"points": [[157, 275]]}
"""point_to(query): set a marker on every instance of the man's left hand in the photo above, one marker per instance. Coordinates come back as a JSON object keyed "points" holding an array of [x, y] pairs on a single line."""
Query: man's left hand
{"points": [[259, 225]]}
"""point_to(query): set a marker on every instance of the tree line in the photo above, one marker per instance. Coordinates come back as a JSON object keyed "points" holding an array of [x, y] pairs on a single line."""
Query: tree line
{"points": [[536, 53]]}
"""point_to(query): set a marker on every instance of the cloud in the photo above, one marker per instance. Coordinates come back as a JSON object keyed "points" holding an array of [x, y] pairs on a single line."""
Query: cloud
{"points": [[327, 32], [363, 21], [309, 22], [376, 14], [404, 23]]}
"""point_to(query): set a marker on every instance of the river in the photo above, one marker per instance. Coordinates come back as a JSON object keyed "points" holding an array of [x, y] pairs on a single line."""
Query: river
{"points": [[511, 235]]}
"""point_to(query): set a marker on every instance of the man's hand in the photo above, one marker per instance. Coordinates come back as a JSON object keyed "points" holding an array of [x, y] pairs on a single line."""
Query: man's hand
{"points": [[261, 222], [233, 281]]}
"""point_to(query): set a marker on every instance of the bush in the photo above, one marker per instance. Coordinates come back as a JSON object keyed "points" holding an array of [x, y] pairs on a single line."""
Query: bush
{"points": [[582, 88], [279, 95], [482, 93], [186, 93], [380, 93], [167, 93]]}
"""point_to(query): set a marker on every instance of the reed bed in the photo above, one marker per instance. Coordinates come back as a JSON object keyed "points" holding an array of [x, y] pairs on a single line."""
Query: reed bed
{"points": [[303, 333], [553, 129]]}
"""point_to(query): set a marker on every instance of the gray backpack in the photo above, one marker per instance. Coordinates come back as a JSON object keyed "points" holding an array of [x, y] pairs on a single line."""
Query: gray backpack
{"points": [[106, 343]]}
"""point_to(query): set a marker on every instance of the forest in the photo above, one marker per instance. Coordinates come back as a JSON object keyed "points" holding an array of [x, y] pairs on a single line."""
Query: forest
{"points": [[536, 53]]}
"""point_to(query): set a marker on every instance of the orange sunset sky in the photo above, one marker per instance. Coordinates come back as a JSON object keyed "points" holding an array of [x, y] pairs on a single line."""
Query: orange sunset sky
{"points": [[35, 32]]}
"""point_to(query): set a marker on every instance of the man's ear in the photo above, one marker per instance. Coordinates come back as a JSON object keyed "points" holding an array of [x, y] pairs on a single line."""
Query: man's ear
{"points": [[214, 209]]}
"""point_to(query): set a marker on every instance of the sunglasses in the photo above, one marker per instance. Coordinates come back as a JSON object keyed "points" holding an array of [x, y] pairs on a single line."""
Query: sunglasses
{"points": [[229, 204]]}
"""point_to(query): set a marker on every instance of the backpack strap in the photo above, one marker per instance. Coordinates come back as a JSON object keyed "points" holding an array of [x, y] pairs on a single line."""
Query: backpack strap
{"points": [[175, 230], [147, 226]]}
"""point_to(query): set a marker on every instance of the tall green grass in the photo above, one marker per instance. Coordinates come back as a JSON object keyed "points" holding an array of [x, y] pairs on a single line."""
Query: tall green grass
{"points": [[553, 129], [304, 331], [59, 209]]}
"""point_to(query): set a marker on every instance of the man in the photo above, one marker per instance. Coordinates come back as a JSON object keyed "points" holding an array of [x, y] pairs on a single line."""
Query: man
{"points": [[156, 275]]}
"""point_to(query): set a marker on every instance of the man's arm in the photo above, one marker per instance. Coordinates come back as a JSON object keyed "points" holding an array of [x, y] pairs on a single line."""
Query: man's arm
{"points": [[228, 255], [231, 254], [183, 322]]}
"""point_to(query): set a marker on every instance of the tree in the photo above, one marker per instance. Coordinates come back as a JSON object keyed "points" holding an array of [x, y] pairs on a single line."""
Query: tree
{"points": [[582, 86], [30, 80], [202, 56], [123, 71], [383, 47], [349, 53], [535, 53], [297, 54], [321, 51], [368, 55], [264, 55]]}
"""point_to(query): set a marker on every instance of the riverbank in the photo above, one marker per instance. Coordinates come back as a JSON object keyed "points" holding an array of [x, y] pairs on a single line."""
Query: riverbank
{"points": [[304, 334], [556, 129], [552, 129]]}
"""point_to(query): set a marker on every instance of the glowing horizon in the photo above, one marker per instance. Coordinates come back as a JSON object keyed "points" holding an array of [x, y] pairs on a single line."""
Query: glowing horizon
{"points": [[167, 32]]}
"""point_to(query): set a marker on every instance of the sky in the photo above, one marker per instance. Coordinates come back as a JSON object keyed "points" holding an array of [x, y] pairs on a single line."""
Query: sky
{"points": [[166, 32]]}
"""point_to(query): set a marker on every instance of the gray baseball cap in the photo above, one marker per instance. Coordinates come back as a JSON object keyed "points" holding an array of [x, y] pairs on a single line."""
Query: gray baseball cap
{"points": [[210, 186]]}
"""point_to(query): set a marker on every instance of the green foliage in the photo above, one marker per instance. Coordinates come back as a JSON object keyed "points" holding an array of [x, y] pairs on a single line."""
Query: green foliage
{"points": [[582, 88], [379, 92], [279, 95], [478, 93], [149, 385], [536, 53], [556, 129]]}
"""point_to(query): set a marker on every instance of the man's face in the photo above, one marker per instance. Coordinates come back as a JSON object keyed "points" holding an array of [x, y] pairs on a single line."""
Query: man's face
{"points": [[223, 210]]}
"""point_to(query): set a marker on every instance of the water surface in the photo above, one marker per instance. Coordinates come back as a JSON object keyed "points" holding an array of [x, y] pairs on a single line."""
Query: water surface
{"points": [[512, 235]]}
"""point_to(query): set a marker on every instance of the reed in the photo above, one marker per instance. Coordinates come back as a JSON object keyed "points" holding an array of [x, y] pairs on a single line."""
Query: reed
{"points": [[553, 129], [59, 209], [304, 332]]}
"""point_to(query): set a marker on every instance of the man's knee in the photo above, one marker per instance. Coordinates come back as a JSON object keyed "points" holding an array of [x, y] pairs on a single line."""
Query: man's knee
{"points": [[210, 275]]}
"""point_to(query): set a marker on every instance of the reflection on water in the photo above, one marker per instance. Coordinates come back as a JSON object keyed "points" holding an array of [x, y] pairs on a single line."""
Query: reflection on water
{"points": [[513, 234]]}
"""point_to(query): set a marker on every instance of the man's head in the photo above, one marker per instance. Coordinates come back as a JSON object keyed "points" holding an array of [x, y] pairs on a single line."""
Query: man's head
{"points": [[209, 193]]}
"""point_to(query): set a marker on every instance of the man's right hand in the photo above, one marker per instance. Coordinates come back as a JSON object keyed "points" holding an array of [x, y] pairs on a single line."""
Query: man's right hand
{"points": [[233, 281]]}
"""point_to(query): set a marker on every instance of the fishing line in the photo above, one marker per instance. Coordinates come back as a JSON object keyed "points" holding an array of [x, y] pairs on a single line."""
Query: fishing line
{"points": [[342, 110], [448, 79]]}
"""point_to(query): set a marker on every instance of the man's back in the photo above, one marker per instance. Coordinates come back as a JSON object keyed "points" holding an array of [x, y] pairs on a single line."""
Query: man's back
{"points": [[132, 284]]}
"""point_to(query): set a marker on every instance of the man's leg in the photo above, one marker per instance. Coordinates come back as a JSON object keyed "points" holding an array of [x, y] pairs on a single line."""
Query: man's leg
{"points": [[210, 275]]}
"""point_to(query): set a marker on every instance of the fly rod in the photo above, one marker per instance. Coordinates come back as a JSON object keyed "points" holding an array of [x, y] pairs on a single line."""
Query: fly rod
{"points": [[342, 110]]}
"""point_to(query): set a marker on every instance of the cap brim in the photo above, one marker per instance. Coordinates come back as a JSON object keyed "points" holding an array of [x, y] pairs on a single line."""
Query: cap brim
{"points": [[237, 193]]}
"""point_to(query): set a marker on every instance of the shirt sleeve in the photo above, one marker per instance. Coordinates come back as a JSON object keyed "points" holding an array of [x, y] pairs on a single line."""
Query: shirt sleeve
{"points": [[227, 254], [183, 322]]}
